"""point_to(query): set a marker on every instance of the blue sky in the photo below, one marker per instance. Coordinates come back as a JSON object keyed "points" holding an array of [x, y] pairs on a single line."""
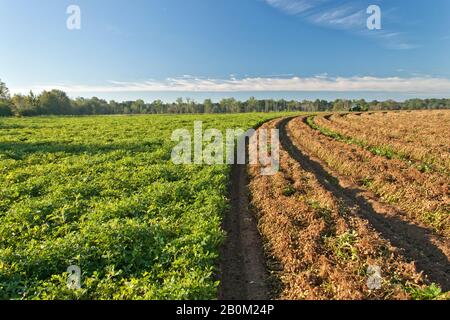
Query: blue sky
{"points": [[221, 48]]}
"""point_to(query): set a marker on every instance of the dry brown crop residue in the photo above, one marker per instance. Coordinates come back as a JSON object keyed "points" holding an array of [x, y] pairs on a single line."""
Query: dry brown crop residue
{"points": [[321, 235]]}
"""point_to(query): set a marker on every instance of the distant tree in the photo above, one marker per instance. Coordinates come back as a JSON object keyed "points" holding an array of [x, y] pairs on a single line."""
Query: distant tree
{"points": [[81, 106], [252, 104], [235, 106], [4, 91], [114, 107], [229, 105], [191, 106], [280, 105], [414, 104], [100, 106], [126, 109], [338, 105], [324, 105], [158, 107], [138, 107], [208, 106], [364, 106], [54, 102], [180, 106], [174, 108], [391, 105], [24, 105], [5, 109], [267, 105], [34, 101], [292, 106]]}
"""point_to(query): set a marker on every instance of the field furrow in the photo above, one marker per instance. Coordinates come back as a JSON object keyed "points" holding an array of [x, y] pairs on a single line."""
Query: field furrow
{"points": [[422, 197], [417, 137], [319, 240]]}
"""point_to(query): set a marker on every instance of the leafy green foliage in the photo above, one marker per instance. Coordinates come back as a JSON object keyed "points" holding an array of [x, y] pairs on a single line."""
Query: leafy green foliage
{"points": [[288, 191], [432, 292], [102, 193], [343, 246]]}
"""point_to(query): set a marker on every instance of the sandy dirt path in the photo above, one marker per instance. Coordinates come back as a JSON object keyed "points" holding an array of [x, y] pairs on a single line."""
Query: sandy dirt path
{"points": [[243, 272]]}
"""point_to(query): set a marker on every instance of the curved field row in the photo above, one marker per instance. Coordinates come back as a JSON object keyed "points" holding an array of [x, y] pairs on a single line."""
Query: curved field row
{"points": [[419, 137], [424, 127], [317, 238], [422, 197]]}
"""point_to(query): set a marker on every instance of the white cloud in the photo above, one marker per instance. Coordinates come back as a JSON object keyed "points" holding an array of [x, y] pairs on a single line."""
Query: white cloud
{"points": [[294, 6], [349, 15], [418, 84], [340, 17]]}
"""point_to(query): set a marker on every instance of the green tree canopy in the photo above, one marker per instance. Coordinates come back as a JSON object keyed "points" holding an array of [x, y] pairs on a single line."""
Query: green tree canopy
{"points": [[4, 91], [55, 102]]}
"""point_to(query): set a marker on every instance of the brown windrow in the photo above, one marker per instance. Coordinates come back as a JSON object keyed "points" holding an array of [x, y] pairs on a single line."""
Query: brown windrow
{"points": [[322, 234]]}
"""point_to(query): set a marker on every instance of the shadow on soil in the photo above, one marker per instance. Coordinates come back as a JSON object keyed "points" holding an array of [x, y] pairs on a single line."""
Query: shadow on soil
{"points": [[19, 150]]}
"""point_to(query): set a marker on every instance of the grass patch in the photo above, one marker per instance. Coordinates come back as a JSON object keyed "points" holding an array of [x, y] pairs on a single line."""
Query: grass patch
{"points": [[431, 292], [288, 191], [343, 246], [437, 219]]}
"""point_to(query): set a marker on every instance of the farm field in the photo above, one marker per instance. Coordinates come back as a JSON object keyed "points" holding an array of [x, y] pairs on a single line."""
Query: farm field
{"points": [[224, 159], [102, 193], [345, 200]]}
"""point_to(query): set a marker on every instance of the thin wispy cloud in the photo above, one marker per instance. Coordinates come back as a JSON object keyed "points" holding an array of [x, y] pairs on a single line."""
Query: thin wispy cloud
{"points": [[294, 7], [344, 17], [392, 40], [348, 15], [323, 82]]}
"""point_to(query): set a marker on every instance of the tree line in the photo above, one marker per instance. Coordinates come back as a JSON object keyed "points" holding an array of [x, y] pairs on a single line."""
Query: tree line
{"points": [[56, 102]]}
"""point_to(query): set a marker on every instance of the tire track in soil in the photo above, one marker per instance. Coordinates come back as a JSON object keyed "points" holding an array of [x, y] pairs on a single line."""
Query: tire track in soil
{"points": [[243, 273], [414, 242]]}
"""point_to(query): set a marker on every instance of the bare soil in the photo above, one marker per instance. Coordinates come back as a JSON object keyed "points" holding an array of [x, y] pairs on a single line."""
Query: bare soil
{"points": [[243, 272]]}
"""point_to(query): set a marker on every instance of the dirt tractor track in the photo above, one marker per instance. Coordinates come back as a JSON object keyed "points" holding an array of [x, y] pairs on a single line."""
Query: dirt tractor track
{"points": [[243, 264], [243, 271]]}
